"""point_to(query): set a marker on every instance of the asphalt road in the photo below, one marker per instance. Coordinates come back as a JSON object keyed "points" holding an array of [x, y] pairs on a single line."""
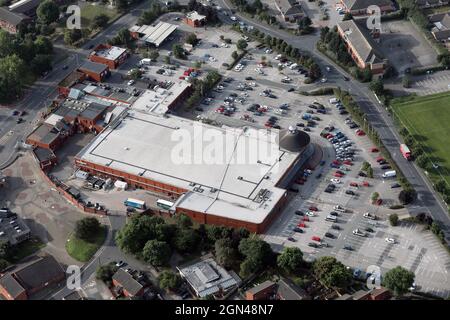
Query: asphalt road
{"points": [[428, 200]]}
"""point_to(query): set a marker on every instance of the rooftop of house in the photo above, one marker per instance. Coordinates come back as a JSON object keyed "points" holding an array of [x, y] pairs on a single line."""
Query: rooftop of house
{"points": [[111, 53], [154, 34], [12, 18], [364, 4], [360, 39], [127, 282], [194, 15], [93, 67]]}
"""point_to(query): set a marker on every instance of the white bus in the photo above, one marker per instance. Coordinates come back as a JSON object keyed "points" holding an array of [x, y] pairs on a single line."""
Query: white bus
{"points": [[164, 204]]}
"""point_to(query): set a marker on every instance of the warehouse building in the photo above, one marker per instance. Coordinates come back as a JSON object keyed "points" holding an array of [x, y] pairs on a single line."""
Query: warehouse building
{"points": [[153, 35], [243, 184], [95, 71], [194, 19]]}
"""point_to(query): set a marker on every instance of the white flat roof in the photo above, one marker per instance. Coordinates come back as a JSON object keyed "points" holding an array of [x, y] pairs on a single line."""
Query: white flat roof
{"points": [[155, 34], [150, 146], [159, 101], [194, 15], [110, 53]]}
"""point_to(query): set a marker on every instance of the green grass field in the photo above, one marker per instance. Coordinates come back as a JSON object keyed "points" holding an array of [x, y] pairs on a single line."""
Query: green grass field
{"points": [[89, 11], [82, 250], [428, 120]]}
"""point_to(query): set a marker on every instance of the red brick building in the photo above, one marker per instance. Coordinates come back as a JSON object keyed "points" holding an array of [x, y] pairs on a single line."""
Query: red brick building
{"points": [[68, 82], [360, 7], [45, 157], [10, 21], [31, 278], [95, 71], [111, 56], [194, 19], [126, 284]]}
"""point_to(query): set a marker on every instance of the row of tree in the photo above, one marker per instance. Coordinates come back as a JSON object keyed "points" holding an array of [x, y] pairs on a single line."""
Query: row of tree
{"points": [[21, 58]]}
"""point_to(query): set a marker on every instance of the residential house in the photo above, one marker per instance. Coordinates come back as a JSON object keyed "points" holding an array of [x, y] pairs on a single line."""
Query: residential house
{"points": [[360, 7]]}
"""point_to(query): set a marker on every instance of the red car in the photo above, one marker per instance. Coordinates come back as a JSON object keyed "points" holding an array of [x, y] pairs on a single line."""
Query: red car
{"points": [[315, 238], [353, 184], [268, 125], [339, 171], [306, 218], [336, 162], [312, 208], [374, 149], [348, 162], [366, 184], [360, 132], [379, 202], [338, 175], [328, 136], [301, 225], [379, 159], [220, 110]]}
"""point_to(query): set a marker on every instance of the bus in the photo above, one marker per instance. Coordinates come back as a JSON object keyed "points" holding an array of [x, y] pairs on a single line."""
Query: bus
{"points": [[134, 203], [164, 204], [405, 151]]}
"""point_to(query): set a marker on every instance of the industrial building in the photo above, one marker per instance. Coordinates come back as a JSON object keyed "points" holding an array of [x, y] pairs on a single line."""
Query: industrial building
{"points": [[152, 35], [95, 71], [194, 19], [242, 185], [13, 229]]}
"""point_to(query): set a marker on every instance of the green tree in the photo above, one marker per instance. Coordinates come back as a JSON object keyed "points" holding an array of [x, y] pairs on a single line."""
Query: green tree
{"points": [[178, 51], [241, 44], [331, 272], [225, 254], [5, 249], [257, 253], [393, 219], [47, 12], [167, 60], [106, 272], [290, 259], [12, 71], [406, 81], [87, 228], [156, 253], [186, 240], [72, 35], [135, 234], [192, 39], [168, 280], [154, 54], [41, 63], [100, 21], [347, 16], [399, 280], [3, 264], [422, 161], [43, 45], [407, 196], [183, 221], [377, 86], [234, 55]]}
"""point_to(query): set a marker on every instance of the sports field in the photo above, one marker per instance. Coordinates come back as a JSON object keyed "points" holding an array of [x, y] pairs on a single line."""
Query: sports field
{"points": [[428, 119]]}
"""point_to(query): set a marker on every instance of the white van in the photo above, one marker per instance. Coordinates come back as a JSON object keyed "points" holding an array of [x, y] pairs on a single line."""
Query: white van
{"points": [[334, 100], [145, 62], [331, 218], [293, 66]]}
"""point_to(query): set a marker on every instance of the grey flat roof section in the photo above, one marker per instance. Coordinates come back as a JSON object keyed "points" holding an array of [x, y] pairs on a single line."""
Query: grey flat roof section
{"points": [[364, 4], [39, 272], [289, 291], [11, 285], [157, 34], [266, 284], [127, 281], [11, 17], [24, 6], [93, 111], [93, 66], [43, 154], [44, 133]]}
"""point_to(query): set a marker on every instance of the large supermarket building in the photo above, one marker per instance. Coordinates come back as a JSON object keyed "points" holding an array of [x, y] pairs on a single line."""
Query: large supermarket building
{"points": [[240, 180]]}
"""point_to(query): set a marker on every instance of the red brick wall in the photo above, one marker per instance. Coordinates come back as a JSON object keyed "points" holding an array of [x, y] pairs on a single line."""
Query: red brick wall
{"points": [[5, 293], [261, 295]]}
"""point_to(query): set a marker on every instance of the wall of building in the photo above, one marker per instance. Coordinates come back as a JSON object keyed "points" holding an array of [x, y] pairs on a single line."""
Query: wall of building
{"points": [[5, 293]]}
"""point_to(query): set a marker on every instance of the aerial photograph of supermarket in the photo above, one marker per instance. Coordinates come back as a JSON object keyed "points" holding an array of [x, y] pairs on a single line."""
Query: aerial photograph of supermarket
{"points": [[231, 150]]}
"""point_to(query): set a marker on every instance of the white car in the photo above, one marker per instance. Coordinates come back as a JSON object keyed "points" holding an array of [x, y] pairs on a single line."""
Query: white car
{"points": [[336, 181], [390, 240], [131, 82], [359, 233], [233, 18], [309, 213], [323, 80], [369, 215]]}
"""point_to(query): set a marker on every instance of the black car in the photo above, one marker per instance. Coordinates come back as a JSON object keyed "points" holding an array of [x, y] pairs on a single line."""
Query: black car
{"points": [[228, 79], [342, 112], [307, 129], [19, 120], [300, 124], [291, 89], [348, 247], [199, 109], [349, 192], [249, 78], [273, 119], [91, 46], [330, 235], [346, 78], [334, 213], [314, 245], [65, 67], [335, 227], [292, 189], [319, 176], [395, 185], [276, 127], [385, 167], [298, 230], [299, 213], [362, 174]]}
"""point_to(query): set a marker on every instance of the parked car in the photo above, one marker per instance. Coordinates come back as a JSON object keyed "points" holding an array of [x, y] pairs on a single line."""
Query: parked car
{"points": [[299, 213]]}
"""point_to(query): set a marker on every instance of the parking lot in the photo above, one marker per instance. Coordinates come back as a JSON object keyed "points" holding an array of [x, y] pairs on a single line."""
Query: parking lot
{"points": [[354, 237]]}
